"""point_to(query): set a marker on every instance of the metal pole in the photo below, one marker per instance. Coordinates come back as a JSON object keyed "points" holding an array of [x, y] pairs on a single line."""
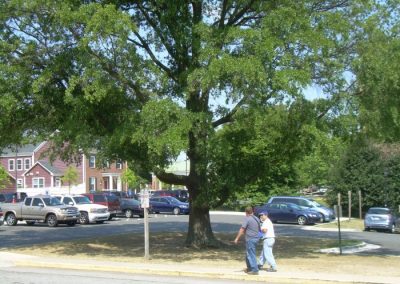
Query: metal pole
{"points": [[146, 235], [349, 193], [360, 204], [338, 209]]}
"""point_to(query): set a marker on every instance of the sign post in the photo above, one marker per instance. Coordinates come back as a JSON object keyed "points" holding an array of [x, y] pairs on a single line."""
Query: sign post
{"points": [[144, 203]]}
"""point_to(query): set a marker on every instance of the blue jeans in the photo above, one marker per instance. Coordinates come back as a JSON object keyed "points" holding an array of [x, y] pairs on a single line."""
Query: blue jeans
{"points": [[251, 258], [266, 254]]}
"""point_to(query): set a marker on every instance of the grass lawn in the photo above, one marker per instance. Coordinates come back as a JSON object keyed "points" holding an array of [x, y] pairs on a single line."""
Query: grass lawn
{"points": [[295, 254], [345, 223]]}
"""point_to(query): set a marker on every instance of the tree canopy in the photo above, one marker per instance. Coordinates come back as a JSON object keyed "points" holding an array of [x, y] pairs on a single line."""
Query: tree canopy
{"points": [[144, 80]]}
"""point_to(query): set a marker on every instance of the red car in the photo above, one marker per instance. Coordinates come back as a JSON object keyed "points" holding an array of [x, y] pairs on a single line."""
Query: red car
{"points": [[107, 199]]}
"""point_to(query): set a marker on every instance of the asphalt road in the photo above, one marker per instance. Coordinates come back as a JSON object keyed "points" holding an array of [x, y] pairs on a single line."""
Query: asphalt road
{"points": [[23, 235]]}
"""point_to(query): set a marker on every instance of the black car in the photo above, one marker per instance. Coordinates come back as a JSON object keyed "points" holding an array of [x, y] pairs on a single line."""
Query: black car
{"points": [[289, 213], [131, 207]]}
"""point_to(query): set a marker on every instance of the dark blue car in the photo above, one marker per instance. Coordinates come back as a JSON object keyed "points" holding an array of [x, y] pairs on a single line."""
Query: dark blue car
{"points": [[168, 204], [289, 213]]}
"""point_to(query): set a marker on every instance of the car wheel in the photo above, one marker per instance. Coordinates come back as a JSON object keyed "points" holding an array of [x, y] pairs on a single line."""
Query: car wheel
{"points": [[176, 211], [30, 223], [392, 229], [301, 220], [366, 229], [52, 220], [11, 220], [128, 213], [84, 218], [71, 223], [110, 218]]}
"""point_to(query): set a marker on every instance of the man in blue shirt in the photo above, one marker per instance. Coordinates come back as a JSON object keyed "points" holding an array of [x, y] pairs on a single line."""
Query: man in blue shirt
{"points": [[250, 228]]}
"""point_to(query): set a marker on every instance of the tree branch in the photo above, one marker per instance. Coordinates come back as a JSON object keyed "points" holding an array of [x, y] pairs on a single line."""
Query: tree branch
{"points": [[171, 178], [228, 117], [154, 58]]}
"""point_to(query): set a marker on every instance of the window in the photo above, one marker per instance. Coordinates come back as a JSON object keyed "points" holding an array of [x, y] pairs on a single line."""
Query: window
{"points": [[28, 201], [19, 183], [19, 164], [119, 165], [11, 165], [106, 164], [36, 202], [57, 182], [67, 200], [92, 162], [27, 163], [38, 182], [92, 183]]}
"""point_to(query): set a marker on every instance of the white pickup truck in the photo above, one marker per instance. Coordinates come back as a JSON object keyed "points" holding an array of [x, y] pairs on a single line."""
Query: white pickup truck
{"points": [[89, 211], [40, 208]]}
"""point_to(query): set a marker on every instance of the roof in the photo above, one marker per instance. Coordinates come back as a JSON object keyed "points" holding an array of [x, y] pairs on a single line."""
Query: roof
{"points": [[47, 166], [24, 150]]}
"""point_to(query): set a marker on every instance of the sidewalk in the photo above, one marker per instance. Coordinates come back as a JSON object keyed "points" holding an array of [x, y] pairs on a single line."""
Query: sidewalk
{"points": [[8, 259]]}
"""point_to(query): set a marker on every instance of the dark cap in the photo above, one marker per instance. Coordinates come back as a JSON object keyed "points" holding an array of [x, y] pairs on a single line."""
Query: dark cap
{"points": [[263, 213]]}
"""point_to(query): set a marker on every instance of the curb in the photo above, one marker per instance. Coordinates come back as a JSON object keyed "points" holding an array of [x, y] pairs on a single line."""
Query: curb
{"points": [[147, 271]]}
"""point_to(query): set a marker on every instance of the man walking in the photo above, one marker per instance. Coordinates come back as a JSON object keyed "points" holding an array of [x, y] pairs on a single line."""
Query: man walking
{"points": [[250, 227], [267, 256]]}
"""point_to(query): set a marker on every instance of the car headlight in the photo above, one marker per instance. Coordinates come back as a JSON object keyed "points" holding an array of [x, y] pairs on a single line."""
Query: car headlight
{"points": [[183, 206]]}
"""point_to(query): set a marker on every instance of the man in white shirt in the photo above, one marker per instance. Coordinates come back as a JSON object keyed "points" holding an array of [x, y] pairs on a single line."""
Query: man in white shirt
{"points": [[268, 242]]}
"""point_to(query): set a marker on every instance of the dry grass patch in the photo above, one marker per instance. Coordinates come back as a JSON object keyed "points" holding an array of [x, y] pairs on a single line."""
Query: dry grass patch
{"points": [[169, 247]]}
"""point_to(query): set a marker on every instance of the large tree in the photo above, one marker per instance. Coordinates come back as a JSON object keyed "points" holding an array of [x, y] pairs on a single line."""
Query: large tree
{"points": [[144, 80]]}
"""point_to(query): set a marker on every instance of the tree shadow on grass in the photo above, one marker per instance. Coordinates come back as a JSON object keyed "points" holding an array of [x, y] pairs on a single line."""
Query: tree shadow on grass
{"points": [[170, 247]]}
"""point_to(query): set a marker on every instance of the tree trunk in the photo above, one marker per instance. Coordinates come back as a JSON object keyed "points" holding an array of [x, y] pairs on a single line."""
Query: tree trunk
{"points": [[200, 234]]}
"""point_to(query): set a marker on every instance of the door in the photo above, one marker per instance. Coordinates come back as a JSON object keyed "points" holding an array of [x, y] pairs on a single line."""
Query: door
{"points": [[37, 209]]}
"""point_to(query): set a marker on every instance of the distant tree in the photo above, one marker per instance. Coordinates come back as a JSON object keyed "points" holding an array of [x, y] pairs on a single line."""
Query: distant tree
{"points": [[366, 168], [71, 177], [132, 179], [4, 177]]}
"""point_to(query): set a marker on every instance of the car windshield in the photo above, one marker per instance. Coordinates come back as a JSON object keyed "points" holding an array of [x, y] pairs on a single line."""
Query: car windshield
{"points": [[81, 200], [52, 201], [379, 211]]}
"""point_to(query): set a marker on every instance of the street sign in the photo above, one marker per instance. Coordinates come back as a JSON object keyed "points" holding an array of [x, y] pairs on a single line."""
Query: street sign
{"points": [[144, 198]]}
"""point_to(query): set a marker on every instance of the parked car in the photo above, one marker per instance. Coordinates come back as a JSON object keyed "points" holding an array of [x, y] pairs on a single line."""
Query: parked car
{"points": [[44, 208], [180, 194], [168, 204], [381, 218], [131, 207], [106, 199], [1, 217], [289, 213], [90, 212], [10, 197], [307, 203]]}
